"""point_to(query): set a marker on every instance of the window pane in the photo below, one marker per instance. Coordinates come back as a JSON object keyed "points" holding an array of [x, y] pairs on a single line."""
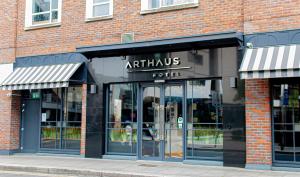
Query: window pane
{"points": [[205, 119], [101, 10], [122, 121], [101, 1], [40, 19], [40, 6], [284, 146], [54, 16], [72, 118], [154, 4], [51, 121], [54, 4]]}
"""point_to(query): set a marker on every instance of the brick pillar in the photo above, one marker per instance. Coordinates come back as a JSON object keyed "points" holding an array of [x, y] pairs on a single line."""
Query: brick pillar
{"points": [[258, 124], [83, 120], [9, 122]]}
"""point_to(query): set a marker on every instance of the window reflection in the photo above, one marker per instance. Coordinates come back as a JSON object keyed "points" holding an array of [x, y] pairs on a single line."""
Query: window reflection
{"points": [[122, 120], [61, 118], [286, 123], [204, 119]]}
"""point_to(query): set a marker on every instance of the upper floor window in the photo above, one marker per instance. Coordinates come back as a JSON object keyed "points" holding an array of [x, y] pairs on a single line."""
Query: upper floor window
{"points": [[157, 4], [42, 12], [99, 8]]}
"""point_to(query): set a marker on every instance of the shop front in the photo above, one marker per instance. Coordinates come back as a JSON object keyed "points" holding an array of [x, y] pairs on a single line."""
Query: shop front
{"points": [[49, 90], [182, 105], [278, 68]]}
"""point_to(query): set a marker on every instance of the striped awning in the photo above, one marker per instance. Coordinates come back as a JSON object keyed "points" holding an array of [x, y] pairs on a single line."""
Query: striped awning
{"points": [[40, 77], [271, 62]]}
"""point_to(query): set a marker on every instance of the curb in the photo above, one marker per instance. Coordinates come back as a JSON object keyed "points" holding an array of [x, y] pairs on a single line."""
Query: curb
{"points": [[65, 171]]}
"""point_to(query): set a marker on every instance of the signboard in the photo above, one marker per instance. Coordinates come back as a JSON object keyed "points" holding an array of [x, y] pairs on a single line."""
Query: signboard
{"points": [[159, 68], [180, 122], [44, 117]]}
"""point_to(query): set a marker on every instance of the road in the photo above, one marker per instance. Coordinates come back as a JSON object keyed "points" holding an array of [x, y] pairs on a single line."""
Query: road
{"points": [[28, 174]]}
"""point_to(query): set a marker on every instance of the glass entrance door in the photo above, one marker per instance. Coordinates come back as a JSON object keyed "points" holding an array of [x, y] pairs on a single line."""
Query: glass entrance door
{"points": [[162, 122], [173, 122]]}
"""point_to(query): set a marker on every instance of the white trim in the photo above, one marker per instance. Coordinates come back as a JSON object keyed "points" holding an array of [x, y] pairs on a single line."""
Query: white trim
{"points": [[29, 14], [145, 5], [89, 10]]}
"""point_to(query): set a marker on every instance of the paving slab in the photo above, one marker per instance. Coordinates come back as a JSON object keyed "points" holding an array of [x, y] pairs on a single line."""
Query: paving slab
{"points": [[71, 165]]}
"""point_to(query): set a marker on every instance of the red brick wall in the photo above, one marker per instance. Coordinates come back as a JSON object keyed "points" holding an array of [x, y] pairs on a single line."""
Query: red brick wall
{"points": [[9, 121], [83, 120], [8, 14], [274, 15], [258, 122], [210, 16]]}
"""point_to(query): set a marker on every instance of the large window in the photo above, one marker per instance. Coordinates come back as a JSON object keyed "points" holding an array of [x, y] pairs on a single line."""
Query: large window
{"points": [[99, 8], [122, 119], [204, 120], [156, 4], [61, 119], [286, 122], [41, 12]]}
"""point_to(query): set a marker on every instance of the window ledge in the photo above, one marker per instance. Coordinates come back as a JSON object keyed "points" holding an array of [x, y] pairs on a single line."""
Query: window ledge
{"points": [[169, 8], [48, 25], [108, 17]]}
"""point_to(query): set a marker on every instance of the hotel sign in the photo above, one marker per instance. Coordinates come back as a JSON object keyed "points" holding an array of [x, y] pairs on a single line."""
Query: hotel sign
{"points": [[159, 68]]}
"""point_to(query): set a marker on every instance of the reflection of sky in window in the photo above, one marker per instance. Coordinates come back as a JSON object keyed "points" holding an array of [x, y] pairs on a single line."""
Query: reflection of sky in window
{"points": [[201, 89], [152, 91]]}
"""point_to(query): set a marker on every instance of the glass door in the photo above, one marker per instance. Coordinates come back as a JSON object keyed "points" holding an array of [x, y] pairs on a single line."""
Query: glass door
{"points": [[152, 123], [173, 125], [162, 122]]}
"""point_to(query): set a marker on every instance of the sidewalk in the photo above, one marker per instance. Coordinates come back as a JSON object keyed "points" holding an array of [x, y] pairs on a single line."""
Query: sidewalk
{"points": [[126, 168]]}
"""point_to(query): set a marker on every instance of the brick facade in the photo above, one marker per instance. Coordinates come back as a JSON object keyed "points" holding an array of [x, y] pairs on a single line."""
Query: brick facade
{"points": [[258, 123], [83, 120], [211, 16], [9, 121]]}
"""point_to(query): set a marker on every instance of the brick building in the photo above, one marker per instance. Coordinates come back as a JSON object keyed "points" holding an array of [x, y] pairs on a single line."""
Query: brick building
{"points": [[208, 82]]}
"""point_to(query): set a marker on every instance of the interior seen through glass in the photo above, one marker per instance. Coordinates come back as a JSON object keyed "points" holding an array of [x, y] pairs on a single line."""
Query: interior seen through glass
{"points": [[61, 118], [286, 122], [164, 125]]}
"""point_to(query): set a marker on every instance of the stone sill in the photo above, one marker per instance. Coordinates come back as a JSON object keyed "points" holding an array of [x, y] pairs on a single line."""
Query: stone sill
{"points": [[108, 17], [49, 25], [169, 8]]}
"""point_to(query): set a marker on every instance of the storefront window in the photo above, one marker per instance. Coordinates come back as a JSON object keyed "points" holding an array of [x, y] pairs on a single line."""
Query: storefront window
{"points": [[204, 120], [72, 118], [286, 122], [51, 118], [122, 120], [61, 118]]}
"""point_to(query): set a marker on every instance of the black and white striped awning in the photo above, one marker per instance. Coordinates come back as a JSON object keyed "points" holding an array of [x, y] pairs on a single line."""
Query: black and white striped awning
{"points": [[40, 77], [271, 62]]}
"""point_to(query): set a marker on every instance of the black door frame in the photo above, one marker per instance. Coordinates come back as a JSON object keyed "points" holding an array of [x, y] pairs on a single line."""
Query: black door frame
{"points": [[162, 87]]}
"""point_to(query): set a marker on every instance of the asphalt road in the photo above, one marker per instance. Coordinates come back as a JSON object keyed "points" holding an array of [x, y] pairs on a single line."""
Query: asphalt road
{"points": [[28, 174]]}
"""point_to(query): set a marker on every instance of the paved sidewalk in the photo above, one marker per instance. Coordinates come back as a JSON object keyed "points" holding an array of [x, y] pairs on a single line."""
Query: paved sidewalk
{"points": [[113, 168]]}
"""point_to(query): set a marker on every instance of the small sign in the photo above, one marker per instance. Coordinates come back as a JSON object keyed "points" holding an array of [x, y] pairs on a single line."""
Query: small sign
{"points": [[44, 117], [180, 122], [35, 95]]}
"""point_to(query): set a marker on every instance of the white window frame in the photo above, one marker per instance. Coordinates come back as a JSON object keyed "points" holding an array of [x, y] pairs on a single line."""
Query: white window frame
{"points": [[145, 5], [29, 14], [90, 9]]}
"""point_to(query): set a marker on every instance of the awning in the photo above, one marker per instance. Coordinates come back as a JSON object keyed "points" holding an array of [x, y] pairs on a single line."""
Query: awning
{"points": [[40, 77], [271, 62]]}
